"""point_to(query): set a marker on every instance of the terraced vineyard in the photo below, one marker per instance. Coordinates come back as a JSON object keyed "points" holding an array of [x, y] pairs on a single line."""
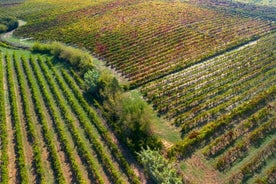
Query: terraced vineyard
{"points": [[226, 106], [49, 133]]}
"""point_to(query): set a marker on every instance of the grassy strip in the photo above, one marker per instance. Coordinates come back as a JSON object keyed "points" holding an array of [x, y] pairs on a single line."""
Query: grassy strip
{"points": [[75, 57]]}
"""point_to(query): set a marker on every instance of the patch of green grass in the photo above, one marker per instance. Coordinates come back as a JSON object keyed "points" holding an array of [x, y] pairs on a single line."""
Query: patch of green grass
{"points": [[166, 131], [162, 128]]}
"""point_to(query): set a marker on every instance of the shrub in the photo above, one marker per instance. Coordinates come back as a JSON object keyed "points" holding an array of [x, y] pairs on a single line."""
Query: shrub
{"points": [[129, 115], [3, 28], [75, 57], [91, 78], [41, 48], [158, 167]]}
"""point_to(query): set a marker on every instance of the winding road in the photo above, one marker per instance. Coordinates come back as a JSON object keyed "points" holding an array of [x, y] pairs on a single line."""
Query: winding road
{"points": [[5, 37]]}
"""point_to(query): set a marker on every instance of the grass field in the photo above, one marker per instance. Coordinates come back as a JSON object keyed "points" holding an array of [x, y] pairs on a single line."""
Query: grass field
{"points": [[207, 68]]}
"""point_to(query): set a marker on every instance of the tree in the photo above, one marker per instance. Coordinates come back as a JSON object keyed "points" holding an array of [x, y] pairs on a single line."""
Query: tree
{"points": [[8, 24], [91, 78], [129, 115], [3, 28]]}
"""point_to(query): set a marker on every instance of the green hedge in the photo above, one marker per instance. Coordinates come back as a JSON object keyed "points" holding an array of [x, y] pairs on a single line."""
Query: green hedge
{"points": [[75, 57]]}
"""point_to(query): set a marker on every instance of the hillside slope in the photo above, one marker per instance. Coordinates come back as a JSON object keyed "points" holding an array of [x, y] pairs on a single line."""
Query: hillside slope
{"points": [[206, 66]]}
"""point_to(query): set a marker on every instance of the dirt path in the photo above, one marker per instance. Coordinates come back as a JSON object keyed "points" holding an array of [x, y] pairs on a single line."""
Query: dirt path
{"points": [[9, 34], [12, 171], [21, 42], [205, 63], [247, 45]]}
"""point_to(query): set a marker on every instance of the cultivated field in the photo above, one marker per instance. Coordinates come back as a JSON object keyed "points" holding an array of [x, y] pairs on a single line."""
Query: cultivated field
{"points": [[226, 106], [49, 133], [208, 67], [145, 45]]}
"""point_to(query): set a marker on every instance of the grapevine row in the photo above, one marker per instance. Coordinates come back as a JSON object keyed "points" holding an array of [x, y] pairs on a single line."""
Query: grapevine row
{"points": [[202, 86], [3, 128], [200, 90], [101, 129], [82, 118], [257, 162], [47, 135], [269, 176], [187, 145], [30, 124], [227, 104], [51, 104], [20, 157], [136, 47], [225, 140], [195, 96], [240, 149]]}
